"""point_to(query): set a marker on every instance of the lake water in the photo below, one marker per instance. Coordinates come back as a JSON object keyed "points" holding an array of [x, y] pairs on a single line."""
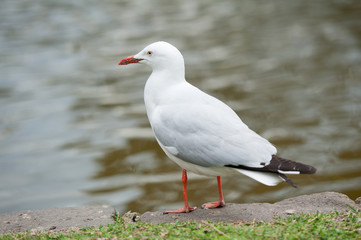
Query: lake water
{"points": [[73, 127]]}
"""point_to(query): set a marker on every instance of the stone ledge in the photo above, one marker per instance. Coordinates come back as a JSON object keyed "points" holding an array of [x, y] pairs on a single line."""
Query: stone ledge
{"points": [[321, 202], [56, 219], [66, 219]]}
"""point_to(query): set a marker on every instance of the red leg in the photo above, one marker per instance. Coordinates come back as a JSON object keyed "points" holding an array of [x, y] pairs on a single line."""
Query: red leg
{"points": [[186, 208], [221, 202]]}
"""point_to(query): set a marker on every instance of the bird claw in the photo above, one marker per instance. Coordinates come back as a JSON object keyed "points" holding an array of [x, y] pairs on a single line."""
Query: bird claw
{"points": [[213, 205], [181, 210]]}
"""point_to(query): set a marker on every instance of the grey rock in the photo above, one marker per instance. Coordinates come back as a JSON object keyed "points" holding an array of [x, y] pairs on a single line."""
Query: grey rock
{"points": [[66, 219], [321, 202], [56, 219]]}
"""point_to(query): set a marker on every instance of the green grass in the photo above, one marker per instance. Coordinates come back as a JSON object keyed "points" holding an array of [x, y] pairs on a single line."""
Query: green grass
{"points": [[305, 226]]}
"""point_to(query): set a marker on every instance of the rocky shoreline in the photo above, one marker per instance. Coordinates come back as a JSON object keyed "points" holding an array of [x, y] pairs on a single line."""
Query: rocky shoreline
{"points": [[66, 219]]}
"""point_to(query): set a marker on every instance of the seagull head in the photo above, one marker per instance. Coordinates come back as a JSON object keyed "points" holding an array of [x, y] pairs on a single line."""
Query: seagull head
{"points": [[159, 56]]}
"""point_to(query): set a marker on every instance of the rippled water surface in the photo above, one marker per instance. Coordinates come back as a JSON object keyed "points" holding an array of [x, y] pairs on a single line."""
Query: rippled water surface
{"points": [[73, 128]]}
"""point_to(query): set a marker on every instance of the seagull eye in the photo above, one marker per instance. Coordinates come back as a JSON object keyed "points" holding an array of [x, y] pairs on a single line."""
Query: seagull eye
{"points": [[149, 53]]}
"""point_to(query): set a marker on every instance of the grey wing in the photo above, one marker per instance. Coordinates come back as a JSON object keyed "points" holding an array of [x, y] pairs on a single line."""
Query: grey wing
{"points": [[209, 136]]}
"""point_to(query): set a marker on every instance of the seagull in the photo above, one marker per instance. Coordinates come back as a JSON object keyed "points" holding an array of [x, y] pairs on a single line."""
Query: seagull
{"points": [[201, 133]]}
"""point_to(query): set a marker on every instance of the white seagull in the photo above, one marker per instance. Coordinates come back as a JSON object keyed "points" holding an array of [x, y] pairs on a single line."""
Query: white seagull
{"points": [[202, 134]]}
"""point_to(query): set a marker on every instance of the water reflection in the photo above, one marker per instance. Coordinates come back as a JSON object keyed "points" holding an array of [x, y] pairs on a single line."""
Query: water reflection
{"points": [[73, 128]]}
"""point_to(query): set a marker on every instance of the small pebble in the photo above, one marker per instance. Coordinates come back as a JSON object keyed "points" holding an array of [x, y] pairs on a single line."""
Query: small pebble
{"points": [[290, 211]]}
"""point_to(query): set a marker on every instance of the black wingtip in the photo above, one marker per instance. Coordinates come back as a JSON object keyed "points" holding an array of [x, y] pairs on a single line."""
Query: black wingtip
{"points": [[312, 170], [287, 180], [278, 163]]}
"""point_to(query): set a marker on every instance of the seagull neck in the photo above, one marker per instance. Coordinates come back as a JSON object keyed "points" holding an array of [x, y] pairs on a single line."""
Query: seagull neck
{"points": [[166, 77], [158, 86]]}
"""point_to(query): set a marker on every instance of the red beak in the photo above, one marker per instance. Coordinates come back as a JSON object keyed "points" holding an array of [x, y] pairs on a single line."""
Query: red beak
{"points": [[129, 60]]}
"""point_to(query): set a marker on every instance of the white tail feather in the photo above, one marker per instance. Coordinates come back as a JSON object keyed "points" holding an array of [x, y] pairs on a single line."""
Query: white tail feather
{"points": [[289, 172], [269, 179]]}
